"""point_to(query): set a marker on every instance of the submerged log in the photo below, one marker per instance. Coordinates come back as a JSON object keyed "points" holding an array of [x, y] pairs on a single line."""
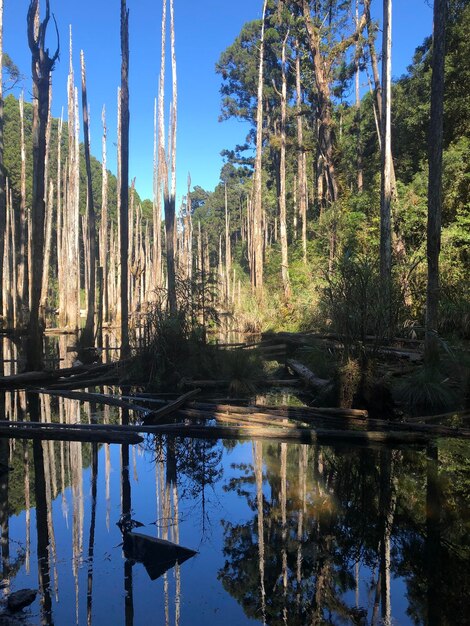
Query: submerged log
{"points": [[157, 555]]}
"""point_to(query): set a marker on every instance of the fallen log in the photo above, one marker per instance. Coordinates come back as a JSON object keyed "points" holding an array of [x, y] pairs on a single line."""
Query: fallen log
{"points": [[367, 425], [15, 431], [95, 398], [441, 416], [308, 376], [281, 409], [252, 418], [263, 382], [246, 431], [39, 378], [302, 435], [111, 379], [159, 414]]}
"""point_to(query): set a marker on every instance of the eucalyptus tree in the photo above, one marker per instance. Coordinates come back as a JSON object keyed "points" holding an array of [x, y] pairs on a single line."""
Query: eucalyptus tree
{"points": [[42, 66], [329, 38]]}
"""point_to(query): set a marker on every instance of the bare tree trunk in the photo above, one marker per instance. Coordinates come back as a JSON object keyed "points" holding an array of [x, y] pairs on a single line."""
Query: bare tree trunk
{"points": [[2, 173], [282, 186], [104, 236], [170, 187], [301, 160], [357, 116], [42, 66], [124, 180], [47, 249], [435, 181], [228, 249], [157, 202], [386, 158], [70, 287], [377, 85], [22, 283], [257, 223], [89, 330]]}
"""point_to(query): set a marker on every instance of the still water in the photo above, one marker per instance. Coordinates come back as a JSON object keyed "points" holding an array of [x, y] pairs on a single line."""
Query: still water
{"points": [[283, 533]]}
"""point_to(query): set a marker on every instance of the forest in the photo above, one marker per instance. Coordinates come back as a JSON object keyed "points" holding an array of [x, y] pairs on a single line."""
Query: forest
{"points": [[256, 394], [347, 202]]}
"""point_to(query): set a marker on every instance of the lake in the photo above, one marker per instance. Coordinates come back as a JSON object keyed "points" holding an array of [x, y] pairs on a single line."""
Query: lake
{"points": [[283, 533]]}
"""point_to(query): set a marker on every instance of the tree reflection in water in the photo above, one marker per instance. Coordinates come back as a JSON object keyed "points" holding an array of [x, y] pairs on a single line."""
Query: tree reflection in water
{"points": [[321, 517]]}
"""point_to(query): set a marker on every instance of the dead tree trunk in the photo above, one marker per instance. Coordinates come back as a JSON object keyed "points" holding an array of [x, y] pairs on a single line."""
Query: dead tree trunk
{"points": [[104, 237], [2, 173], [124, 180], [157, 204], [22, 283], [386, 157], [257, 223], [89, 330], [228, 249], [435, 181], [357, 117], [301, 160], [282, 167], [42, 66]]}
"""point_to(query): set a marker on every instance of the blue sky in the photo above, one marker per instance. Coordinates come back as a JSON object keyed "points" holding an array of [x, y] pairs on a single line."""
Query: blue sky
{"points": [[204, 28]]}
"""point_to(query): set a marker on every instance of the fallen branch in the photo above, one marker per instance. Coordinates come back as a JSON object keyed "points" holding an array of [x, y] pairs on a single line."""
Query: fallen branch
{"points": [[159, 414]]}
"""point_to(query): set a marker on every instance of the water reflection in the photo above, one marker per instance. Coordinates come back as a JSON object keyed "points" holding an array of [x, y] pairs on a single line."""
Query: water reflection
{"points": [[285, 534], [331, 533]]}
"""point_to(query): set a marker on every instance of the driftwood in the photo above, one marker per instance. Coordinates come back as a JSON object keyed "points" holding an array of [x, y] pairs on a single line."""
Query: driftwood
{"points": [[308, 376], [159, 414]]}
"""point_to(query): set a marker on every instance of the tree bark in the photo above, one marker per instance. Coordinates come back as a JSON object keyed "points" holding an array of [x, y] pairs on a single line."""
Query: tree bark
{"points": [[386, 159], [282, 172], [257, 215], [104, 230], [301, 159], [2, 173], [42, 66], [124, 181], [88, 335], [22, 283], [431, 347]]}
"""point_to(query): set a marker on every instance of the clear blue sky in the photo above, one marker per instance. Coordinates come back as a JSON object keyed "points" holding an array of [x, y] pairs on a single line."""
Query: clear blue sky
{"points": [[204, 28]]}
